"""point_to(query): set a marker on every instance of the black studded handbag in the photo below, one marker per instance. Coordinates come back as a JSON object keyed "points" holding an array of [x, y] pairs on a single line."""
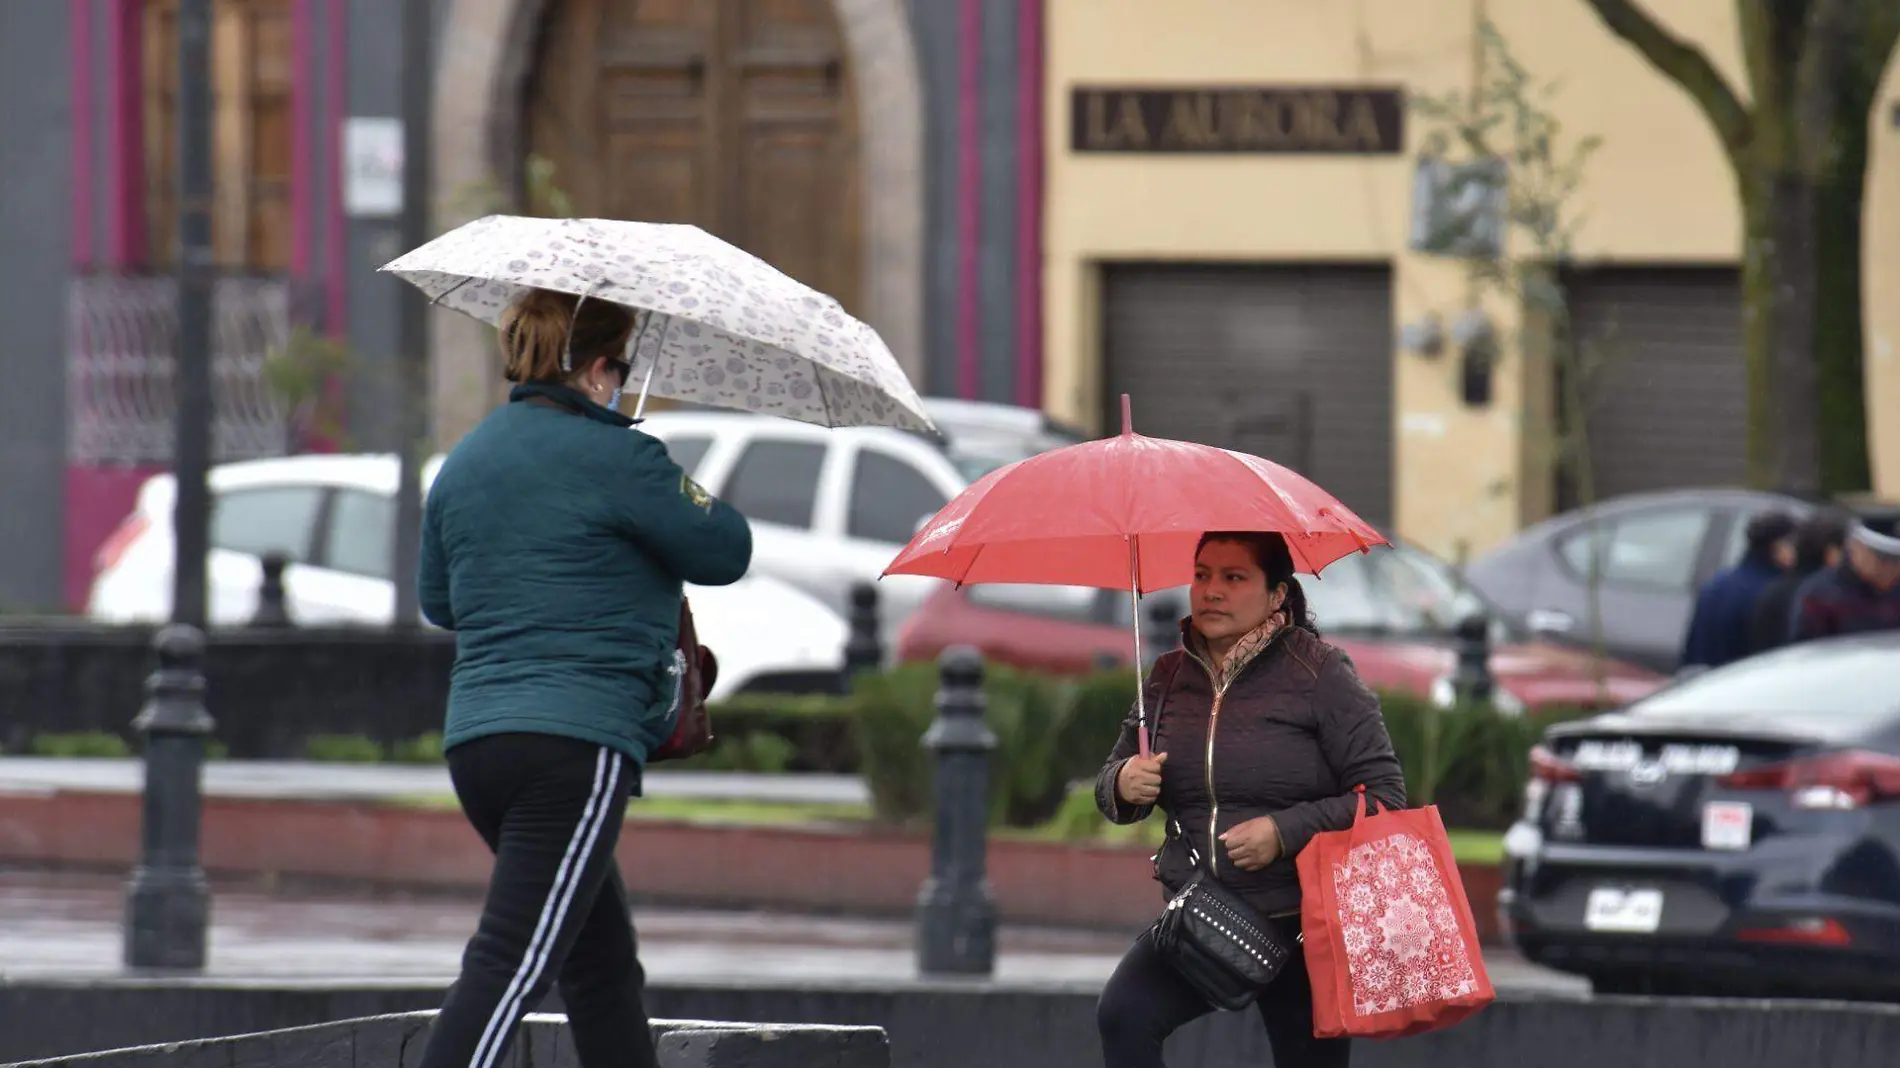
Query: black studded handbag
{"points": [[1220, 944]]}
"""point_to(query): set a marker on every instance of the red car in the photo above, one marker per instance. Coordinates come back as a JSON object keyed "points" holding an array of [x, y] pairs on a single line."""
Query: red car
{"points": [[1393, 610]]}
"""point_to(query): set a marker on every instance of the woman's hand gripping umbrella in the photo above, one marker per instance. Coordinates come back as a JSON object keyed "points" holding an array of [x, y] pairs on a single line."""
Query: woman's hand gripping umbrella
{"points": [[1125, 512]]}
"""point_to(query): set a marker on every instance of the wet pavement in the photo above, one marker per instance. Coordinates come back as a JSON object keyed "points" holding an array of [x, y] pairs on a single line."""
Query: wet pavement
{"points": [[388, 782], [67, 926]]}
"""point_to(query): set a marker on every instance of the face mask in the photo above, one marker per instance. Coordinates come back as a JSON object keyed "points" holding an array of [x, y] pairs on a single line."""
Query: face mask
{"points": [[613, 400]]}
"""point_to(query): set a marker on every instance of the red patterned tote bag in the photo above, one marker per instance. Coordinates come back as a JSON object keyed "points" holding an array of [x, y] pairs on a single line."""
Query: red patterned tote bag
{"points": [[1390, 944]]}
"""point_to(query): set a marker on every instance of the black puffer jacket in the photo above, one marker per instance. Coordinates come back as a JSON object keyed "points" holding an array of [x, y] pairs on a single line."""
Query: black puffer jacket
{"points": [[1290, 737]]}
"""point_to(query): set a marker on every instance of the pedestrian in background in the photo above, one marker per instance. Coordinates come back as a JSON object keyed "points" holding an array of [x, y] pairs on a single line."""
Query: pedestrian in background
{"points": [[1297, 731], [1818, 544], [554, 544], [1722, 628], [1857, 595]]}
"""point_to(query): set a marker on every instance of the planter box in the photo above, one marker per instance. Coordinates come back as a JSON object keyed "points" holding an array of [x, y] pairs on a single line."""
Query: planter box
{"points": [[846, 870]]}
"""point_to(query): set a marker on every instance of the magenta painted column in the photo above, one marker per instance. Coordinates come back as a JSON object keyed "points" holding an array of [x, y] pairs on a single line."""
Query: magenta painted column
{"points": [[969, 196], [125, 213], [1029, 149]]}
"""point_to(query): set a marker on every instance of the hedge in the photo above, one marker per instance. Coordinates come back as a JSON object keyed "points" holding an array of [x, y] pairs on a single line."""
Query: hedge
{"points": [[1052, 733]]}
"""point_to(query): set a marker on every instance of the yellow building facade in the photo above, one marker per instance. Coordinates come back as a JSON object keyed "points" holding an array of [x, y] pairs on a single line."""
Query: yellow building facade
{"points": [[1257, 292]]}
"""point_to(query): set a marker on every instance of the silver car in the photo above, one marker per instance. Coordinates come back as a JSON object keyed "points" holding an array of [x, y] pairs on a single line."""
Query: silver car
{"points": [[1654, 551]]}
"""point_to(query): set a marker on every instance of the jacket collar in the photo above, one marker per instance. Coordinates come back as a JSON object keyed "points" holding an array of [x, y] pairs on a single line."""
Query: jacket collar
{"points": [[1244, 652], [572, 399]]}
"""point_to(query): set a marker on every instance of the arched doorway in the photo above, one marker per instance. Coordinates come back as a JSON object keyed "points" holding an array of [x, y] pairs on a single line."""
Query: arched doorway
{"points": [[737, 116]]}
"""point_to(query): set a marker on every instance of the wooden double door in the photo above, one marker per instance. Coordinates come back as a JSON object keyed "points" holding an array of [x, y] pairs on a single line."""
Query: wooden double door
{"points": [[733, 115]]}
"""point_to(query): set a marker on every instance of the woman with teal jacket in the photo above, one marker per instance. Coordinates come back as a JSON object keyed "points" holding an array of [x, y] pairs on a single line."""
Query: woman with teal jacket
{"points": [[555, 541]]}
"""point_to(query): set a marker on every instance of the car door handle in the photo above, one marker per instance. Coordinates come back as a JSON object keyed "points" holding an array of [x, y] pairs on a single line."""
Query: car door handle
{"points": [[1550, 621]]}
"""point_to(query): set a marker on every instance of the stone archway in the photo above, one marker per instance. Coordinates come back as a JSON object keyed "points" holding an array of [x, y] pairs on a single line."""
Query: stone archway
{"points": [[487, 50]]}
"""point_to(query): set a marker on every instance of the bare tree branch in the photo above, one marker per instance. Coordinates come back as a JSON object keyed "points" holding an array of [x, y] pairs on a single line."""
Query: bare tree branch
{"points": [[1686, 65]]}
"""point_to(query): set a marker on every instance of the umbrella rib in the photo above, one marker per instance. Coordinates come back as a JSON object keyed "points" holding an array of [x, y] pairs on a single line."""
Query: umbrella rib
{"points": [[971, 566]]}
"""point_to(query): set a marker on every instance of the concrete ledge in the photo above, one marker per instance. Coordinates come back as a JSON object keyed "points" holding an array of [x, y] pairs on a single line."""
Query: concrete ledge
{"points": [[951, 1025], [396, 1041]]}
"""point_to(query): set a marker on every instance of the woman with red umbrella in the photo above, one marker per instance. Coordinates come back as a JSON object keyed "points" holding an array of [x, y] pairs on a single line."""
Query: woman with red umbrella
{"points": [[1252, 738], [1261, 731]]}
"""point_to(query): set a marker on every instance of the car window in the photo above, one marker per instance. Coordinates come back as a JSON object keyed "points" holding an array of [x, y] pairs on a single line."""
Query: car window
{"points": [[1071, 604], [360, 535], [267, 519], [1737, 541], [1652, 549], [1841, 685], [1346, 595], [1428, 594], [688, 451], [776, 481], [889, 498]]}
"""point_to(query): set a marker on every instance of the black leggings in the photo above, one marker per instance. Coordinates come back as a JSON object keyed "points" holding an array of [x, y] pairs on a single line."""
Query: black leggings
{"points": [[1146, 1000], [550, 808]]}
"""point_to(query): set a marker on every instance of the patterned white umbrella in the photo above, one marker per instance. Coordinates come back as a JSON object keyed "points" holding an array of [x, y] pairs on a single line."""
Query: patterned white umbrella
{"points": [[718, 326]]}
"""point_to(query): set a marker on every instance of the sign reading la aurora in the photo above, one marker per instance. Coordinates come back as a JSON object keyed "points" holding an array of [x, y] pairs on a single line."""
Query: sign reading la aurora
{"points": [[1301, 119]]}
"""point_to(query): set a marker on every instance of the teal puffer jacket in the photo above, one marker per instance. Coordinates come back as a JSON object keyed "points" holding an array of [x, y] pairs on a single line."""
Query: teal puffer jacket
{"points": [[555, 540]]}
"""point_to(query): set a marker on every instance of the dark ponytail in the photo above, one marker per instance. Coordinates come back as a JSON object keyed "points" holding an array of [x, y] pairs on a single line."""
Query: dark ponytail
{"points": [[1275, 560]]}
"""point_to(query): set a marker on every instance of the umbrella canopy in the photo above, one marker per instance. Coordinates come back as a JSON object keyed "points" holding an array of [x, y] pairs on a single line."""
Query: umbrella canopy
{"points": [[1125, 512], [720, 327]]}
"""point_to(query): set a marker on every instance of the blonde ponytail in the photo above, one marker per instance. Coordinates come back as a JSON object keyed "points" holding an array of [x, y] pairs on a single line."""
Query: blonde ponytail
{"points": [[534, 334]]}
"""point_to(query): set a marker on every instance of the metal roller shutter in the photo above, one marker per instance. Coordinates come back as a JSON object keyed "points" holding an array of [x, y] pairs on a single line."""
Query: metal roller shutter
{"points": [[1668, 408], [1293, 363]]}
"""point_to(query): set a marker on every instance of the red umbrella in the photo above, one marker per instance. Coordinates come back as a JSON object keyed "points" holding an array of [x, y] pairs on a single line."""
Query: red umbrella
{"points": [[1103, 512], [1125, 512]]}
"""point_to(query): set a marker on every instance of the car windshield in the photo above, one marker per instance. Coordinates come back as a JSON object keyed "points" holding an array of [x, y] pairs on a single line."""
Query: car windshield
{"points": [[1848, 684]]}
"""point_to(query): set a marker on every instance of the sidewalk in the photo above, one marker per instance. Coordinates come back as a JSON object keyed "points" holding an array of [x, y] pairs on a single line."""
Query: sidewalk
{"points": [[67, 926], [305, 780]]}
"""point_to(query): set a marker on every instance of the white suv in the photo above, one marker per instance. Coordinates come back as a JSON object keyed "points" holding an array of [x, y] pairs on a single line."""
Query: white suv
{"points": [[333, 516], [829, 508]]}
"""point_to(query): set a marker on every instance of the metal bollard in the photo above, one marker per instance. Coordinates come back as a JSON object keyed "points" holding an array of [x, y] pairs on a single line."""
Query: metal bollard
{"points": [[864, 647], [956, 915], [271, 609], [1471, 678], [168, 905]]}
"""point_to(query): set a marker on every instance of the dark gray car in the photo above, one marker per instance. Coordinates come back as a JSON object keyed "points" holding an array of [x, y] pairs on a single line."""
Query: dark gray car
{"points": [[1654, 551]]}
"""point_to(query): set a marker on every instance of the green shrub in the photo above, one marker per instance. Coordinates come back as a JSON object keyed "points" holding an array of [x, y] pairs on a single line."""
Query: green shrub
{"points": [[1050, 733], [342, 749], [1470, 761], [423, 749], [893, 710], [1098, 704], [81, 744], [779, 732]]}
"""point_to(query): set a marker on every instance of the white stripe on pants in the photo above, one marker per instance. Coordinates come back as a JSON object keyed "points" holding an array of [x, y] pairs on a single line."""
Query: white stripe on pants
{"points": [[567, 879]]}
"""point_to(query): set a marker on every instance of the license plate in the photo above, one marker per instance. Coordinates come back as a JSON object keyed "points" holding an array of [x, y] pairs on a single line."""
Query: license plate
{"points": [[1728, 825], [1623, 911]]}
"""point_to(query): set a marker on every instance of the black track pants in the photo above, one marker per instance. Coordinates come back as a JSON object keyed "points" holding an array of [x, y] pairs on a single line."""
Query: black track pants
{"points": [[550, 808]]}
